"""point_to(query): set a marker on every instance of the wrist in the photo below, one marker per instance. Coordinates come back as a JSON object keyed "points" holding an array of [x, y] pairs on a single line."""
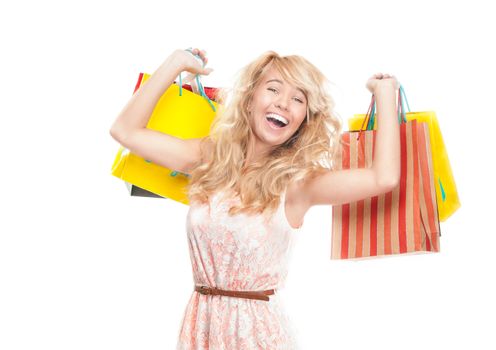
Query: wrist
{"points": [[173, 63], [384, 86]]}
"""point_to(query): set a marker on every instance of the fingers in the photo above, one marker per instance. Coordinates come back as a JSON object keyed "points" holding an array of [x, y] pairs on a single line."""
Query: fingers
{"points": [[201, 53], [380, 76], [383, 76], [189, 78], [194, 87]]}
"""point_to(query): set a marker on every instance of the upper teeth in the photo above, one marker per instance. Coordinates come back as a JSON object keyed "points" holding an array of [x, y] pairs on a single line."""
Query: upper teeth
{"points": [[278, 117]]}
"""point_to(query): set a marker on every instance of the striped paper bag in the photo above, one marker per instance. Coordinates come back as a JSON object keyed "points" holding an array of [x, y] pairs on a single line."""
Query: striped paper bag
{"points": [[403, 221]]}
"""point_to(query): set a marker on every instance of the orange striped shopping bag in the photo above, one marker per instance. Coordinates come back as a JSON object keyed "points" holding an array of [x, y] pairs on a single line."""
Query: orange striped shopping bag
{"points": [[403, 221]]}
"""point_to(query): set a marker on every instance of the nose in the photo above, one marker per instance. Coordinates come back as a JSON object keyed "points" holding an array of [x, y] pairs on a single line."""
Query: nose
{"points": [[281, 103]]}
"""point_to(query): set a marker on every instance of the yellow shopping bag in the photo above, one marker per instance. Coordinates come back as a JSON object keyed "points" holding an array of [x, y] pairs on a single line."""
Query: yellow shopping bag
{"points": [[446, 193], [181, 113]]}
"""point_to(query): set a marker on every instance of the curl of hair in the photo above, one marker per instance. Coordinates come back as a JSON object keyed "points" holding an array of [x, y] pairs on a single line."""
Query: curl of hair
{"points": [[310, 151]]}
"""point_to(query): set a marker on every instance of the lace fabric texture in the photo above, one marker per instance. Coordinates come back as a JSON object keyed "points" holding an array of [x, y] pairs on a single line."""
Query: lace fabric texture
{"points": [[240, 252]]}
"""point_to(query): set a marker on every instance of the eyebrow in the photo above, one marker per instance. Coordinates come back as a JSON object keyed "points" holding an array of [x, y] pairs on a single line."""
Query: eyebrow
{"points": [[280, 82]]}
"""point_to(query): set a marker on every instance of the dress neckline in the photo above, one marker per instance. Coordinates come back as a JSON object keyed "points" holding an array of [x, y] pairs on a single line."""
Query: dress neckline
{"points": [[281, 210]]}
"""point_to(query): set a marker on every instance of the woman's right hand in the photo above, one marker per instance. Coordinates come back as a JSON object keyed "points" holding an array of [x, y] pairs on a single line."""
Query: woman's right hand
{"points": [[379, 79], [191, 64]]}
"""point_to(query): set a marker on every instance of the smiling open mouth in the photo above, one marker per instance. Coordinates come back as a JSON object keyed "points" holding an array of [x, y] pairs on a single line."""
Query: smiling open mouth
{"points": [[275, 121]]}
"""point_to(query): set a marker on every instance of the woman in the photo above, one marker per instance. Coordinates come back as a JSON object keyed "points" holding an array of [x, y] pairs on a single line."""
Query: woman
{"points": [[267, 160]]}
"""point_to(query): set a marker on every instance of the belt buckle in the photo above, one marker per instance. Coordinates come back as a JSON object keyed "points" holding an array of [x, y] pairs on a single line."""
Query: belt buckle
{"points": [[204, 290]]}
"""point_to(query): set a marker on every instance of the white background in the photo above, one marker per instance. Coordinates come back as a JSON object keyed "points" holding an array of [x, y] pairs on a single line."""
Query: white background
{"points": [[83, 265]]}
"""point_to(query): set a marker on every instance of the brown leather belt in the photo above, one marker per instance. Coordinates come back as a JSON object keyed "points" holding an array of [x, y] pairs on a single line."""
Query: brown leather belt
{"points": [[260, 295]]}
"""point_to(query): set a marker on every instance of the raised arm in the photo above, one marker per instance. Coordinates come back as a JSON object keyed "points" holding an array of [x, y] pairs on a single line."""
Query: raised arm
{"points": [[129, 129], [137, 111], [336, 187]]}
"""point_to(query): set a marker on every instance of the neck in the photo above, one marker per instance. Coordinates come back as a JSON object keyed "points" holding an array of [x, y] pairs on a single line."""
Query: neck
{"points": [[255, 152]]}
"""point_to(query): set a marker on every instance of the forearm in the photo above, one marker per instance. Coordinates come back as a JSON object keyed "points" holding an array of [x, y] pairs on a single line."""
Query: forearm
{"points": [[386, 162], [138, 110]]}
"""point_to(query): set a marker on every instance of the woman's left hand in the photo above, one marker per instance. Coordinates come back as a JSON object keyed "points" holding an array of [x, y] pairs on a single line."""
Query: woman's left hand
{"points": [[190, 78], [380, 79]]}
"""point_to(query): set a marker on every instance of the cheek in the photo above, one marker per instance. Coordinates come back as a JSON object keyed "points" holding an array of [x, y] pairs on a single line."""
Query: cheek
{"points": [[263, 100], [295, 127], [302, 115]]}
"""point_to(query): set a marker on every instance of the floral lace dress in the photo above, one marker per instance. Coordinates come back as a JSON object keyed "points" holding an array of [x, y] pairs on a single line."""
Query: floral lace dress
{"points": [[239, 252]]}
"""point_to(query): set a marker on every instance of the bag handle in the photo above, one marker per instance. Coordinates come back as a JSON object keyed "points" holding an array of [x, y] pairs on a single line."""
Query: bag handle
{"points": [[197, 77], [202, 92], [370, 117]]}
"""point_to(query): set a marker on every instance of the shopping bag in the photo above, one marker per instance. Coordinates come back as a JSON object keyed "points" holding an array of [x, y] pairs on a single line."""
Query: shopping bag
{"points": [[181, 113], [402, 221], [446, 192]]}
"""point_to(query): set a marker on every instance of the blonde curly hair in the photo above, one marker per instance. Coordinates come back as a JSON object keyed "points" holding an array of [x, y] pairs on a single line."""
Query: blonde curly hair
{"points": [[310, 151]]}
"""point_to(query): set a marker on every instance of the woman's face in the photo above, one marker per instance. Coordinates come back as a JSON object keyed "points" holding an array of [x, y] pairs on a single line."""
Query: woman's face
{"points": [[275, 98]]}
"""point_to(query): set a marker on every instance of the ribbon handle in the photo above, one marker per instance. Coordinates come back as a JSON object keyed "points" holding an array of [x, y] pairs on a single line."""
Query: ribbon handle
{"points": [[369, 119], [202, 92], [198, 82]]}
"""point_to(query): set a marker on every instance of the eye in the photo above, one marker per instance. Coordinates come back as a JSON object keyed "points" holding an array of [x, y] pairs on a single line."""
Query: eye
{"points": [[274, 90]]}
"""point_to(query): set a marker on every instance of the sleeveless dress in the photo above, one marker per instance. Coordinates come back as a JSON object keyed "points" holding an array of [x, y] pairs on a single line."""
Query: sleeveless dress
{"points": [[240, 252]]}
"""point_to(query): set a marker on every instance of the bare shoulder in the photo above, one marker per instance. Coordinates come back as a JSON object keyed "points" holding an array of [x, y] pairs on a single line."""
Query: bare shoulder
{"points": [[294, 194], [297, 203], [299, 198], [299, 192]]}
